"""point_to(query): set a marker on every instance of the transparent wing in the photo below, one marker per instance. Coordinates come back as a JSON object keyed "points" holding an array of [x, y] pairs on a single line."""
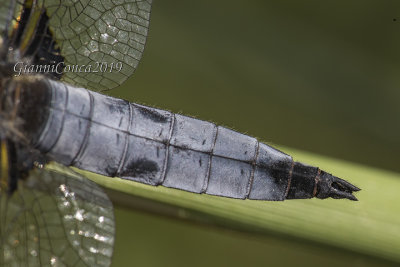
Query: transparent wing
{"points": [[56, 218], [107, 35], [96, 44]]}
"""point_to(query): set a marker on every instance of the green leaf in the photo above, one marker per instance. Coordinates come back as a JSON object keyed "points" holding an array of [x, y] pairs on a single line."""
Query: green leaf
{"points": [[370, 226]]}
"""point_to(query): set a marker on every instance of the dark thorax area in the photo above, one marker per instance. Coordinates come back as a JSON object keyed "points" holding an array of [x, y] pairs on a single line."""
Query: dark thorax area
{"points": [[23, 115], [29, 46], [23, 107]]}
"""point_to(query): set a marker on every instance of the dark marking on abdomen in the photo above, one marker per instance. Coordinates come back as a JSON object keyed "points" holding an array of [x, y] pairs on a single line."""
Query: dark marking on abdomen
{"points": [[140, 168], [153, 115]]}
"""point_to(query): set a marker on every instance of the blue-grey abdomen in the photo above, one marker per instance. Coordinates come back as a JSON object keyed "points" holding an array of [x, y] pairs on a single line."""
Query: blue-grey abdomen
{"points": [[113, 137], [116, 138]]}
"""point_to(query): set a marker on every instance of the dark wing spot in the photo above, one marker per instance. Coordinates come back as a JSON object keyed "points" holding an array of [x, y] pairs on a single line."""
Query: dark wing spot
{"points": [[200, 162], [241, 172]]}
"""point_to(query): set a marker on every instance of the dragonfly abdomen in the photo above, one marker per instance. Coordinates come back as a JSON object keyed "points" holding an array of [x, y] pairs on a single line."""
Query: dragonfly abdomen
{"points": [[113, 137]]}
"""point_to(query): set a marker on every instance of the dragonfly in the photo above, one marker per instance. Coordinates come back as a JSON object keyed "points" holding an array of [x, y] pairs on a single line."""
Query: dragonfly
{"points": [[55, 59]]}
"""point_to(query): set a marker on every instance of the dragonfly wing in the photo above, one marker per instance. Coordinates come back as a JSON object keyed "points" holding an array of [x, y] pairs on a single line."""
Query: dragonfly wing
{"points": [[109, 36], [57, 218], [93, 44]]}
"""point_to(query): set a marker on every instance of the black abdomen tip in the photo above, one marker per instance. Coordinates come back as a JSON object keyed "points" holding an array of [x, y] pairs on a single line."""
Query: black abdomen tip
{"points": [[334, 187], [308, 182]]}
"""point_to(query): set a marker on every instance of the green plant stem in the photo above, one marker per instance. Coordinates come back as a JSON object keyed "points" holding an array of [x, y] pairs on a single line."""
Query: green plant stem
{"points": [[370, 226]]}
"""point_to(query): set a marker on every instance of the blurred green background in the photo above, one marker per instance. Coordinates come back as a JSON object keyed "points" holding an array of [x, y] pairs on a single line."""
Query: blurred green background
{"points": [[320, 76]]}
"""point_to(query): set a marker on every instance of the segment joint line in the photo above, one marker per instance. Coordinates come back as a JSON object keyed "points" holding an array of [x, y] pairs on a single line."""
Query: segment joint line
{"points": [[171, 130], [207, 178]]}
